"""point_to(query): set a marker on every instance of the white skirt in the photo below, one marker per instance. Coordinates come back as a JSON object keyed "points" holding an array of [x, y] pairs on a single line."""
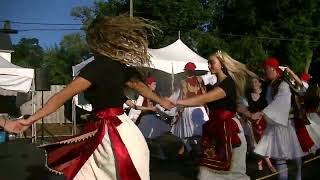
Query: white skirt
{"points": [[101, 164], [190, 123], [314, 130], [238, 164], [279, 142]]}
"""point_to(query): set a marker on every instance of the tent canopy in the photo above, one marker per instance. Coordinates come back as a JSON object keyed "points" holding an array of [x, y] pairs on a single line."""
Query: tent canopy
{"points": [[15, 78], [173, 58], [170, 59]]}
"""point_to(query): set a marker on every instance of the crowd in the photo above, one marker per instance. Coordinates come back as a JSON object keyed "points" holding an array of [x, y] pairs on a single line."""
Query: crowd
{"points": [[275, 117]]}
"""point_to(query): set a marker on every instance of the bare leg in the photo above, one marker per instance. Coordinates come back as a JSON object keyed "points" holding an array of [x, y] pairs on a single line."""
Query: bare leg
{"points": [[260, 168], [181, 150], [270, 166]]}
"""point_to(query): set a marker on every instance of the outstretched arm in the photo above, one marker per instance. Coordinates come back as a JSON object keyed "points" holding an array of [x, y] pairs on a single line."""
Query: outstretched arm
{"points": [[75, 87], [141, 108], [213, 95], [294, 76], [147, 93]]}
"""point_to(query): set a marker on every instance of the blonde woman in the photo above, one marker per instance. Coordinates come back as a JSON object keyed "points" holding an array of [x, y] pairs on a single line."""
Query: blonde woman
{"points": [[112, 147], [223, 146]]}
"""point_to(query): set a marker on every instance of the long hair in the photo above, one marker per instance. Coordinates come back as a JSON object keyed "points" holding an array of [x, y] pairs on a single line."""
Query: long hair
{"points": [[236, 70], [121, 38]]}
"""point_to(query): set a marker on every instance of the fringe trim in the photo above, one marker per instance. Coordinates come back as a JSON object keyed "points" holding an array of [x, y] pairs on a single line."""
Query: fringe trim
{"points": [[72, 140], [68, 141], [50, 169]]}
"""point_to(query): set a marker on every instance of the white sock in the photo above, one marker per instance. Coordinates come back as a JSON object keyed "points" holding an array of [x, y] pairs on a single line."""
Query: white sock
{"points": [[281, 165], [299, 166]]}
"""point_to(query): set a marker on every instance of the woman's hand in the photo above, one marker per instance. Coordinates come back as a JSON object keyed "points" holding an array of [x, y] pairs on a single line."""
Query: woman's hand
{"points": [[257, 116], [26, 122], [15, 126], [167, 103]]}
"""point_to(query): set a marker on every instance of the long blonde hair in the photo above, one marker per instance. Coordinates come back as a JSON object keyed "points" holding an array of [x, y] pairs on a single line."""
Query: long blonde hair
{"points": [[121, 38], [235, 69]]}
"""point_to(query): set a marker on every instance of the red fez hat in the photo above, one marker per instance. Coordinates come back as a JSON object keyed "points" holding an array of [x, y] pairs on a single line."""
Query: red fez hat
{"points": [[190, 66], [150, 80], [272, 62], [305, 77]]}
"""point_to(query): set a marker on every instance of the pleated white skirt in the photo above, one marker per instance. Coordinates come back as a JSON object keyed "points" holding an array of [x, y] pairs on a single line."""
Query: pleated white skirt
{"points": [[190, 123], [101, 164], [279, 142]]}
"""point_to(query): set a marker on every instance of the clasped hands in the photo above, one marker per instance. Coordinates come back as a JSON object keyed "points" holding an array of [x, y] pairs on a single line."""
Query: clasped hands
{"points": [[169, 103], [257, 116], [17, 126]]}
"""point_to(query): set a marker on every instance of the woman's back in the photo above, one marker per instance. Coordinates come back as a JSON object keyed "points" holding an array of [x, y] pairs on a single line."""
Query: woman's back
{"points": [[107, 79]]}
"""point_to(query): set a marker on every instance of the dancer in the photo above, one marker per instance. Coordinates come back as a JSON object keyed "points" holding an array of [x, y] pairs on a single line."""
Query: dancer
{"points": [[149, 123], [189, 121], [112, 147], [280, 140], [223, 146], [256, 102], [306, 103]]}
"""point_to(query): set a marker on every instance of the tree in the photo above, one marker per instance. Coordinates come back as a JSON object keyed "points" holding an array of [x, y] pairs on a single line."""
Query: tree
{"points": [[28, 53], [76, 47], [250, 30], [58, 66], [60, 59]]}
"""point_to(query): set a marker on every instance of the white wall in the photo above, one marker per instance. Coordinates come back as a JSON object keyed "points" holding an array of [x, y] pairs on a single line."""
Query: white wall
{"points": [[6, 55]]}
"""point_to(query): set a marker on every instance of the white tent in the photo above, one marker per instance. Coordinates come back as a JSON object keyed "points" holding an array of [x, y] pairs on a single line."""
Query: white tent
{"points": [[15, 78], [173, 58], [170, 59]]}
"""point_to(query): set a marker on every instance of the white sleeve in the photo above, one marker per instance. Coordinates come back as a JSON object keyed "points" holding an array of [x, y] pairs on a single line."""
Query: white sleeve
{"points": [[277, 112], [209, 79], [172, 111], [243, 101], [305, 85], [133, 113]]}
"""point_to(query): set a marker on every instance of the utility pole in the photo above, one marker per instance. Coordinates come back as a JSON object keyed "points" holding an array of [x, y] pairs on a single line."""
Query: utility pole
{"points": [[7, 28], [131, 8]]}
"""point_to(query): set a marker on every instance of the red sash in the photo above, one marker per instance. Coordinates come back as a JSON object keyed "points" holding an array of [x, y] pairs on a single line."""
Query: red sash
{"points": [[258, 128], [220, 135], [303, 135], [70, 157]]}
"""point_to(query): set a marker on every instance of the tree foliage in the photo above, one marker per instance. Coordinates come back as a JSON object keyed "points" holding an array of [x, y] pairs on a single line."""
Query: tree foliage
{"points": [[57, 59], [28, 53], [249, 30]]}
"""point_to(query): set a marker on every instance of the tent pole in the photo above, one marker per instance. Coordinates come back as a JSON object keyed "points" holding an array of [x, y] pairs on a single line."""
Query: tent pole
{"points": [[131, 8], [74, 117], [172, 79], [33, 126]]}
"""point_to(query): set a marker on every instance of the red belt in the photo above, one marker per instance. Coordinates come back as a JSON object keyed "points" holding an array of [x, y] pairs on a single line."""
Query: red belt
{"points": [[124, 165]]}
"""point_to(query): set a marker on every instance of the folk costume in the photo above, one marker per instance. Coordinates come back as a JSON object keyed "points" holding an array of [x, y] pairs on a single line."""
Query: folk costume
{"points": [[111, 147], [189, 121], [223, 146]]}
